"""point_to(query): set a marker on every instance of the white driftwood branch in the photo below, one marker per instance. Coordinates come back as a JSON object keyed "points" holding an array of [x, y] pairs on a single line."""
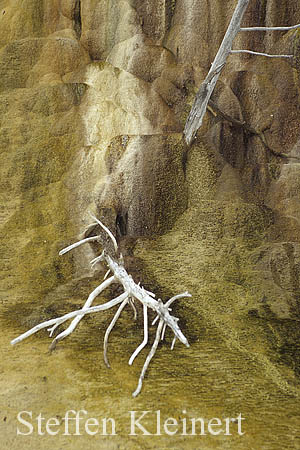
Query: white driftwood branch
{"points": [[145, 340], [136, 291], [83, 241], [198, 110], [111, 325], [261, 54], [131, 292], [131, 303], [149, 357], [65, 317], [107, 231], [87, 305], [173, 343], [293, 27]]}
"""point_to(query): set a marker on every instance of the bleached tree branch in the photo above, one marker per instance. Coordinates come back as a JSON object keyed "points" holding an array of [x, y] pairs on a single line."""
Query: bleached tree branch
{"points": [[77, 244], [195, 118], [70, 315], [145, 340], [293, 27], [149, 357], [131, 292], [261, 54], [87, 304], [107, 231], [108, 330]]}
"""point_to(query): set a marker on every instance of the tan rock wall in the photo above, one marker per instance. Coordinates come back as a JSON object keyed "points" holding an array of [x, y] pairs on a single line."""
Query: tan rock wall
{"points": [[157, 54], [94, 95]]}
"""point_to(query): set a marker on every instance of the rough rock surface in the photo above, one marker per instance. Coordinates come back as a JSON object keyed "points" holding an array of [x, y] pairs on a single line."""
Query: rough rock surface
{"points": [[93, 99]]}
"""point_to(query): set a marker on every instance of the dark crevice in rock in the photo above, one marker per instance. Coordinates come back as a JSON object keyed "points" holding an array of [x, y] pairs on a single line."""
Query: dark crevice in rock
{"points": [[121, 223], [77, 18], [170, 10]]}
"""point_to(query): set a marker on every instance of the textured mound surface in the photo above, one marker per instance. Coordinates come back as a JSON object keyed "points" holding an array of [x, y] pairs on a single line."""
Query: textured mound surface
{"points": [[93, 99]]}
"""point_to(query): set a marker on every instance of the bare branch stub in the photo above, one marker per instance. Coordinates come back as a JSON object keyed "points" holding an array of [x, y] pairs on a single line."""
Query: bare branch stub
{"points": [[132, 291]]}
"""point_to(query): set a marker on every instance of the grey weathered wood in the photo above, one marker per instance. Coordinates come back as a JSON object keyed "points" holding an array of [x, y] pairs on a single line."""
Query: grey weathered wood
{"points": [[131, 291], [197, 112], [136, 291], [293, 27], [250, 52]]}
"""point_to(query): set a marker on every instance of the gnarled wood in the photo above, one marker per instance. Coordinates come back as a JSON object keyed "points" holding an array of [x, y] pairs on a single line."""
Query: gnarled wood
{"points": [[131, 292]]}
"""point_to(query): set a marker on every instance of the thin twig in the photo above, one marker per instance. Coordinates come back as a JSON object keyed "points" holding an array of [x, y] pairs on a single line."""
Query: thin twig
{"points": [[107, 231], [261, 54], [150, 293], [110, 327], [52, 329], [76, 244], [87, 304], [96, 260], [176, 297], [149, 357], [155, 320], [70, 315], [145, 340], [173, 342], [106, 275], [163, 332], [131, 303], [293, 27]]}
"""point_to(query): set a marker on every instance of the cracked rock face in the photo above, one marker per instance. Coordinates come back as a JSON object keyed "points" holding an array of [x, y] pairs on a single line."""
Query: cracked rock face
{"points": [[94, 95]]}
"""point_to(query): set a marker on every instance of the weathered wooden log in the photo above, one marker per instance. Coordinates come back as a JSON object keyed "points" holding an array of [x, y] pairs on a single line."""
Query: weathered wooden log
{"points": [[132, 291], [198, 110]]}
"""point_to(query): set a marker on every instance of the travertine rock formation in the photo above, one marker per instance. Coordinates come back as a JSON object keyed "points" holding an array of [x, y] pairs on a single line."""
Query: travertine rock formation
{"points": [[93, 98]]}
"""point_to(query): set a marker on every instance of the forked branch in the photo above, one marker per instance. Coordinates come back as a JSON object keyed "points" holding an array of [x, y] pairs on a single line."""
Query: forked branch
{"points": [[131, 292]]}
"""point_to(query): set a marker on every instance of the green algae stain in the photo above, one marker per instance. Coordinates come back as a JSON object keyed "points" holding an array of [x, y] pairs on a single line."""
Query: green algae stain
{"points": [[40, 223], [212, 251]]}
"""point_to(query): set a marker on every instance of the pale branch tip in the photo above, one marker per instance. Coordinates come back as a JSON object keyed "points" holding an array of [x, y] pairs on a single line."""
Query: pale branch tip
{"points": [[132, 291], [77, 244], [110, 327], [107, 231], [149, 357], [145, 340]]}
